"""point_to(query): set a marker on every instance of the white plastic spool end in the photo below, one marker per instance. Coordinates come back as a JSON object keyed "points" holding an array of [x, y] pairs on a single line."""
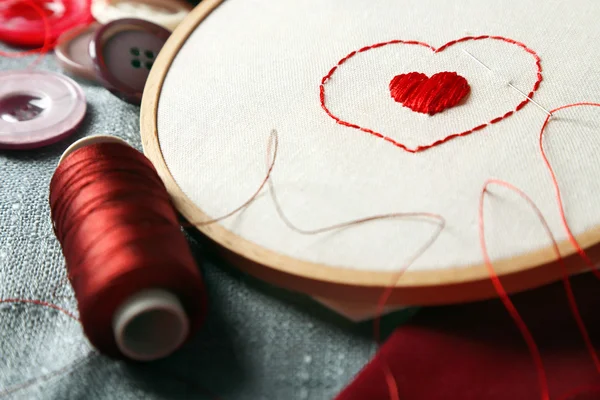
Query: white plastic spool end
{"points": [[150, 325], [89, 140]]}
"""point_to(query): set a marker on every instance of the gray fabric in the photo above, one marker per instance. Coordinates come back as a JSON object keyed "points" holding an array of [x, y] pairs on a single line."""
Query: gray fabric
{"points": [[259, 342]]}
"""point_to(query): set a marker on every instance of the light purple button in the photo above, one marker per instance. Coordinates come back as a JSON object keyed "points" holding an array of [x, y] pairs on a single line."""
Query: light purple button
{"points": [[124, 51], [73, 51], [38, 108]]}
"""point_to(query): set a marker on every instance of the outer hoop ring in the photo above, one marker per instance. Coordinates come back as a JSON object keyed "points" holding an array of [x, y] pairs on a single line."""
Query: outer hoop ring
{"points": [[453, 285]]}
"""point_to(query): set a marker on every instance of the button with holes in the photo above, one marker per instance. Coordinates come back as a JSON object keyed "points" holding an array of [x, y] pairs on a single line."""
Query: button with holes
{"points": [[166, 13], [38, 108], [124, 52], [22, 22]]}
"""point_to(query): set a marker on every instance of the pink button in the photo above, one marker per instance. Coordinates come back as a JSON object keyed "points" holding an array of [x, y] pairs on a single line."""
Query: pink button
{"points": [[124, 51], [73, 51], [38, 108]]}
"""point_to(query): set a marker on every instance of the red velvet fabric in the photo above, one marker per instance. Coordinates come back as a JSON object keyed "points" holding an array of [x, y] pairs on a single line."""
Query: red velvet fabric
{"points": [[475, 351]]}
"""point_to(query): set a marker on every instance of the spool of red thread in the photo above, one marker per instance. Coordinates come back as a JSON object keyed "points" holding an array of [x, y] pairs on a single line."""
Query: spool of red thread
{"points": [[139, 292]]}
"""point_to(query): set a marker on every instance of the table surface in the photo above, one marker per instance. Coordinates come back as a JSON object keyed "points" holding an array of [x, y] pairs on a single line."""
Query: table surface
{"points": [[259, 342]]}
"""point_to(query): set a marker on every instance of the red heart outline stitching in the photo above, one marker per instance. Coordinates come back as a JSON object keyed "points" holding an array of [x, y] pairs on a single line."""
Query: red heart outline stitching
{"points": [[538, 63]]}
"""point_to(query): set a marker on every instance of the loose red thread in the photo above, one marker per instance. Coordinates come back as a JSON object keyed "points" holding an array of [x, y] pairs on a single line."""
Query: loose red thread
{"points": [[557, 190], [542, 379], [391, 382], [66, 369], [571, 237], [272, 151], [46, 47], [43, 304], [508, 304], [428, 217], [426, 95], [421, 148], [389, 376], [530, 341], [441, 223]]}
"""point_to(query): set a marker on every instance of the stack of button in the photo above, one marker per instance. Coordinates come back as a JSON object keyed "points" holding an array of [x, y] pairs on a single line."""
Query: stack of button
{"points": [[39, 108], [119, 55]]}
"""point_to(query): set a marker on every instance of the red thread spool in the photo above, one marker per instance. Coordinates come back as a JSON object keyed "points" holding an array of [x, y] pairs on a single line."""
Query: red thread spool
{"points": [[139, 292]]}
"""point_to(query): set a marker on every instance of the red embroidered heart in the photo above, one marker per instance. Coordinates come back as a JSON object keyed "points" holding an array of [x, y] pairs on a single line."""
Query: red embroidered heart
{"points": [[450, 135], [426, 95]]}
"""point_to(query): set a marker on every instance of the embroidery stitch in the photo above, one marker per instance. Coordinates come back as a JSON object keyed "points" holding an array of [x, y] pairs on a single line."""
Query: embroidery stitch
{"points": [[427, 95], [420, 148]]}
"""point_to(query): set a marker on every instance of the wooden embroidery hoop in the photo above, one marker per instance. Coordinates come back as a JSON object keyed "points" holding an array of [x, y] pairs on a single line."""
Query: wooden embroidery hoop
{"points": [[453, 285]]}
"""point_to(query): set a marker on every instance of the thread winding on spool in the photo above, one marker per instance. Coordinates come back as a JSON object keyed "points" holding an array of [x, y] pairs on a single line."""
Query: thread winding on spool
{"points": [[139, 292]]}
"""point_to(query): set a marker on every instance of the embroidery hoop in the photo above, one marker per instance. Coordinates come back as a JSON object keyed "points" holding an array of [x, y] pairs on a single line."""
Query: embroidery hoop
{"points": [[424, 287]]}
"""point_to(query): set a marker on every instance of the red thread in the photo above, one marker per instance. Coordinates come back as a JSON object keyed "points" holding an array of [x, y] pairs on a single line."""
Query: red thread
{"points": [[421, 148], [530, 341], [441, 222], [120, 235], [47, 45], [429, 217], [391, 382], [50, 375], [426, 95], [41, 303], [66, 370], [508, 304], [272, 151], [563, 216], [389, 376], [571, 237]]}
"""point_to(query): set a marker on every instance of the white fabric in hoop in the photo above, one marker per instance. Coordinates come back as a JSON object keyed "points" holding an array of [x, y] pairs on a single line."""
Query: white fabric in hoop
{"points": [[254, 66]]}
